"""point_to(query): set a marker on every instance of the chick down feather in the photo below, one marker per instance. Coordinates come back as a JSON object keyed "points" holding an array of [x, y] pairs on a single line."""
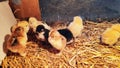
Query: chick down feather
{"points": [[111, 35], [76, 26]]}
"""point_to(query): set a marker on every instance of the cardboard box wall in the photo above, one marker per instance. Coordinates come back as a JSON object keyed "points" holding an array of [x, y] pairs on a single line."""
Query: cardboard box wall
{"points": [[7, 19]]}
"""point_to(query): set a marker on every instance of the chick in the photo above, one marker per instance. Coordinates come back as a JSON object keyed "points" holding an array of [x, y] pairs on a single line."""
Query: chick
{"points": [[67, 34], [52, 37], [57, 40], [42, 33], [23, 24], [110, 36], [33, 22], [17, 41], [76, 26]]}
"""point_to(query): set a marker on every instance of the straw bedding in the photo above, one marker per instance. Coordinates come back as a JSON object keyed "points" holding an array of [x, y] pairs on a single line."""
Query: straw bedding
{"points": [[85, 52]]}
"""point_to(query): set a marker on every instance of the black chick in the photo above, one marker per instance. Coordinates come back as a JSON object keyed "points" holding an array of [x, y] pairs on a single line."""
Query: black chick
{"points": [[42, 33], [67, 34]]}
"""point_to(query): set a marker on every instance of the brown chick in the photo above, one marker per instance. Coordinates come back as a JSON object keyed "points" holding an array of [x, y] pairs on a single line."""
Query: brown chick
{"points": [[17, 41], [57, 40], [76, 26], [110, 36]]}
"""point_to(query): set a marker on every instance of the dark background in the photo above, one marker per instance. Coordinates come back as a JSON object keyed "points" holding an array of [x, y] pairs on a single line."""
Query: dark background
{"points": [[65, 10]]}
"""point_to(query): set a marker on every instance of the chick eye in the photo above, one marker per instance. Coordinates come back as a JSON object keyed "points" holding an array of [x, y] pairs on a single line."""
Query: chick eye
{"points": [[42, 30]]}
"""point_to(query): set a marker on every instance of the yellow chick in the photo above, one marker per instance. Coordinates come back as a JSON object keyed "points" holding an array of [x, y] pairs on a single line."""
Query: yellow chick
{"points": [[76, 26], [17, 41], [110, 36], [57, 40], [33, 22], [23, 24]]}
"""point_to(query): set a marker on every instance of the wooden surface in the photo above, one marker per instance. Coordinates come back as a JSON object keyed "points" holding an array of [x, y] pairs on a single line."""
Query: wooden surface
{"points": [[26, 8]]}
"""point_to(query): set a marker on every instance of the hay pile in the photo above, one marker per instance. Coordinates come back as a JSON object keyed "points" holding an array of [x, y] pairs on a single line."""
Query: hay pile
{"points": [[86, 52]]}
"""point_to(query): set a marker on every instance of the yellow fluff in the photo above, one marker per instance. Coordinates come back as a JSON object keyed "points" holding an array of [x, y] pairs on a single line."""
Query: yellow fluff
{"points": [[17, 41], [57, 40], [76, 26], [110, 36], [33, 22], [23, 24]]}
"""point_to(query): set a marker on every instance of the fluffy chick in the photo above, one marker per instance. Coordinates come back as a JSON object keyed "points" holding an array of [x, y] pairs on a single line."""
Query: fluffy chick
{"points": [[67, 34], [76, 26], [23, 24], [17, 41], [110, 36], [42, 33], [33, 22], [57, 40]]}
